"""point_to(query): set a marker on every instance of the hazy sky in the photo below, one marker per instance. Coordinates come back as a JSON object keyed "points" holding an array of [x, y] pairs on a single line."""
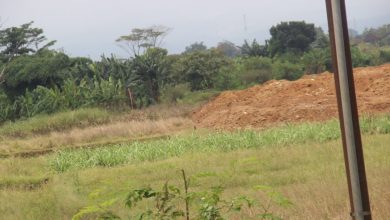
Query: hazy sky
{"points": [[90, 27]]}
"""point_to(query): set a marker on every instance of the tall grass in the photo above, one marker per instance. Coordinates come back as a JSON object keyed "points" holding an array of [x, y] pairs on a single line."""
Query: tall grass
{"points": [[208, 143], [57, 122], [92, 136]]}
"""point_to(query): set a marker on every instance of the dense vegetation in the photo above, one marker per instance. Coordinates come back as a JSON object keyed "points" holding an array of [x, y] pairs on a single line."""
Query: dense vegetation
{"points": [[35, 79]]}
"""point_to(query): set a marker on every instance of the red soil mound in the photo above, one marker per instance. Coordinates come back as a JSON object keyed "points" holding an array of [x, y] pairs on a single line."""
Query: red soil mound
{"points": [[311, 98]]}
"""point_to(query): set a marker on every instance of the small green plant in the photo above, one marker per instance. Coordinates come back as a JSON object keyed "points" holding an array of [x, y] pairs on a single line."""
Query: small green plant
{"points": [[165, 206], [274, 198], [202, 205], [100, 211]]}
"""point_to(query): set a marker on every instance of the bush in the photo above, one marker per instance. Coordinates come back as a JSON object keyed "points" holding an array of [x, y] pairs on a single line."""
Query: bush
{"points": [[200, 68], [316, 61], [171, 94], [47, 68], [105, 93], [74, 94], [255, 70], [227, 78], [359, 58], [6, 108], [40, 100], [384, 56], [175, 202], [287, 70]]}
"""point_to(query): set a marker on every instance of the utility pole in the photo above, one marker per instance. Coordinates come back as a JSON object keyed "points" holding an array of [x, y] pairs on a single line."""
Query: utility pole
{"points": [[348, 113]]}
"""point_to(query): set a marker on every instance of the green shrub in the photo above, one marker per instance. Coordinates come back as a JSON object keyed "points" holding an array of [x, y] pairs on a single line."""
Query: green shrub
{"points": [[173, 202], [227, 78], [172, 94], [46, 68], [106, 93], [6, 108], [75, 95], [384, 56], [199, 68], [360, 58], [316, 61], [287, 70], [40, 100], [256, 70]]}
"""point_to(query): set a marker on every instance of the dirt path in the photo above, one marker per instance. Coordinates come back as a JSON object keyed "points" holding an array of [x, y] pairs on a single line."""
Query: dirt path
{"points": [[311, 98]]}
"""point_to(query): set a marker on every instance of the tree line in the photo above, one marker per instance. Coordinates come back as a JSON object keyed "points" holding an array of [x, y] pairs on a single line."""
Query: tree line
{"points": [[35, 79]]}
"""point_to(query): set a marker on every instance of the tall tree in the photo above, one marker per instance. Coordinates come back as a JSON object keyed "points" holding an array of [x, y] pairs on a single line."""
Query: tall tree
{"points": [[141, 39], [17, 41], [293, 36]]}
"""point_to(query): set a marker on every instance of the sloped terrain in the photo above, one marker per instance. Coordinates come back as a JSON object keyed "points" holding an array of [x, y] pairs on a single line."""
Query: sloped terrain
{"points": [[311, 98]]}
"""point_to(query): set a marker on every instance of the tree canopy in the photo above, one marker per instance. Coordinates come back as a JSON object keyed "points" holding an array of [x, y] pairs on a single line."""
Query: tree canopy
{"points": [[16, 41], [141, 39], [293, 36]]}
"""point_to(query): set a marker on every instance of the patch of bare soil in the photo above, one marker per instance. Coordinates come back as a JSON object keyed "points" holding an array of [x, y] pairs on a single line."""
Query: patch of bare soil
{"points": [[311, 98]]}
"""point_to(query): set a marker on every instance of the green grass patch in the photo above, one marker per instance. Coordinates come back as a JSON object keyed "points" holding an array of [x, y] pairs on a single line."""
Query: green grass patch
{"points": [[56, 122], [309, 174], [199, 142]]}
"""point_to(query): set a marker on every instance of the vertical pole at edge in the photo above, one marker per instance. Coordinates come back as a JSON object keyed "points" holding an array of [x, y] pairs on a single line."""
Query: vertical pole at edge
{"points": [[348, 114]]}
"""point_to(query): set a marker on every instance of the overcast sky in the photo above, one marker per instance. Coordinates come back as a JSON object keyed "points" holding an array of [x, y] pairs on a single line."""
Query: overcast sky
{"points": [[90, 27]]}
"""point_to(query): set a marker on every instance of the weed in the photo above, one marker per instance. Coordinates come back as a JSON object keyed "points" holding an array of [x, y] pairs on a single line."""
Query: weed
{"points": [[208, 204]]}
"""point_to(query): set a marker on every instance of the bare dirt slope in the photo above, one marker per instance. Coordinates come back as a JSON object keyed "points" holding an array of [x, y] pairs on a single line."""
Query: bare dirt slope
{"points": [[311, 98]]}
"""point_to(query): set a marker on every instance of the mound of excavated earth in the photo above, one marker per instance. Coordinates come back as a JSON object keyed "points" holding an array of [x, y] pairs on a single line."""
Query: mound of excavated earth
{"points": [[311, 98]]}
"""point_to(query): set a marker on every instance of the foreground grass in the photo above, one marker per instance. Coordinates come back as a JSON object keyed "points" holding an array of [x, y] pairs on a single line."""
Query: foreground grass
{"points": [[304, 162], [209, 143], [311, 175]]}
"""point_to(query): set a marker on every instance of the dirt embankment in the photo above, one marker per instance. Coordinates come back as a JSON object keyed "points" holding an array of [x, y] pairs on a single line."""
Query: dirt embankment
{"points": [[311, 98]]}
